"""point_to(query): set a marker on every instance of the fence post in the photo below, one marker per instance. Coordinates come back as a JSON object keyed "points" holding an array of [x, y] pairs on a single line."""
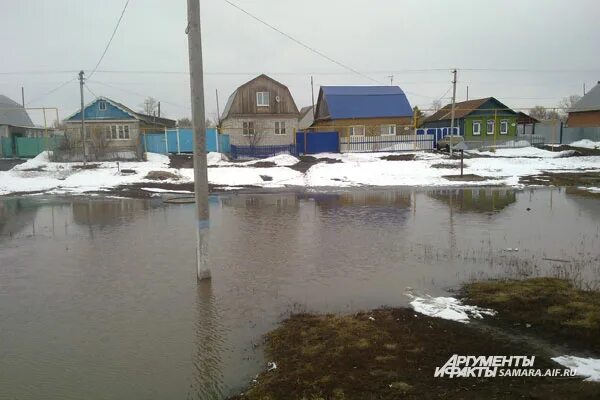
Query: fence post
{"points": [[561, 133], [166, 142], [217, 139]]}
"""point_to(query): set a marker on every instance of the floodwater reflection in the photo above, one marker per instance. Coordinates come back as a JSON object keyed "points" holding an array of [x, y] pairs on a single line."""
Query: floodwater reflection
{"points": [[99, 298]]}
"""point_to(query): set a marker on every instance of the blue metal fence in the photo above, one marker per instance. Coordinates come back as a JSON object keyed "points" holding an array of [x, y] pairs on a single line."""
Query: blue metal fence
{"points": [[438, 133], [261, 151], [182, 141], [317, 142]]}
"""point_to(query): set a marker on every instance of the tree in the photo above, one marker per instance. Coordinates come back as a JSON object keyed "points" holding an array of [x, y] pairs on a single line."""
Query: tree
{"points": [[539, 112], [210, 123], [566, 104], [553, 115], [149, 106], [184, 122], [418, 114], [436, 105]]}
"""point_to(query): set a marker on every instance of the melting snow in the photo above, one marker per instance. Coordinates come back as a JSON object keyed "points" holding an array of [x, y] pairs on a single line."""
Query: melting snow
{"points": [[586, 144], [588, 367], [447, 308]]}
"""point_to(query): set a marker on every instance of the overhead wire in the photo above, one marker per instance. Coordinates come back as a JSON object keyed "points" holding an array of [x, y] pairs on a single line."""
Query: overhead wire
{"points": [[51, 91], [290, 37], [110, 40]]}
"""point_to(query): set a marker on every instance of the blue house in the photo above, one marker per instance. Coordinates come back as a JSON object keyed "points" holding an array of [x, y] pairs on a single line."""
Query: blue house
{"points": [[363, 110], [112, 125]]}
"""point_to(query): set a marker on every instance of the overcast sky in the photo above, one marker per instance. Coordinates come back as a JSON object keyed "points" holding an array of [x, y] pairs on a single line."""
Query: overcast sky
{"points": [[553, 43]]}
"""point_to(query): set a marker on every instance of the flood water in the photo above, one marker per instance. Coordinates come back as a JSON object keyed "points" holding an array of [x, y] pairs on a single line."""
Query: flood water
{"points": [[99, 298]]}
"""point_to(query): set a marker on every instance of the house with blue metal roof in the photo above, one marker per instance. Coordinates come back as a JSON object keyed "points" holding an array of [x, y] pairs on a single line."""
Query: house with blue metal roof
{"points": [[363, 111]]}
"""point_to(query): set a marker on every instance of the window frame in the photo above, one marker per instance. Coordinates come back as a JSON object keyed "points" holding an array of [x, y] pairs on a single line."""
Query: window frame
{"points": [[248, 128], [504, 122], [487, 128], [102, 105], [117, 132], [280, 128], [262, 96], [478, 123], [351, 130], [388, 126]]}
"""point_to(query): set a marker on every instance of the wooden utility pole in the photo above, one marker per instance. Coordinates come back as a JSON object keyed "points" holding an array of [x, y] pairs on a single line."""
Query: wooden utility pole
{"points": [[452, 112], [82, 116], [23, 95], [159, 109], [199, 124]]}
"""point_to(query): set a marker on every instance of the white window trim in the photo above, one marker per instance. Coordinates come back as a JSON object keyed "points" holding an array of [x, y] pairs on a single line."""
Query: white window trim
{"points": [[102, 105], [502, 132], [351, 130], [280, 128], [478, 123], [248, 129], [387, 129], [108, 132], [261, 95], [487, 126]]}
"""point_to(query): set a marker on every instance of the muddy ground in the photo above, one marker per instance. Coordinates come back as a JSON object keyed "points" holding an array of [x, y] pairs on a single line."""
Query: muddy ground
{"points": [[549, 308], [393, 353]]}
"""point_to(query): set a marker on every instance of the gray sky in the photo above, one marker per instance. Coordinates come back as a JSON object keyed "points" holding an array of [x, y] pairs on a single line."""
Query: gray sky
{"points": [[376, 37]]}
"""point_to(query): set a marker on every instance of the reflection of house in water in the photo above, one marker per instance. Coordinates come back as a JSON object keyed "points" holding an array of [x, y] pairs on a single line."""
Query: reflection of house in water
{"points": [[105, 212], [371, 206], [477, 200], [16, 214], [264, 202]]}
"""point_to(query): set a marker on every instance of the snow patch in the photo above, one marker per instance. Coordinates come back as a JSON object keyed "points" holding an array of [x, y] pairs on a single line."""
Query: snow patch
{"points": [[588, 367], [159, 190], [447, 308], [586, 144]]}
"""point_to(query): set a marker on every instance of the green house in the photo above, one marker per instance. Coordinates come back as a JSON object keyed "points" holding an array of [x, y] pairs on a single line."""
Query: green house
{"points": [[477, 120]]}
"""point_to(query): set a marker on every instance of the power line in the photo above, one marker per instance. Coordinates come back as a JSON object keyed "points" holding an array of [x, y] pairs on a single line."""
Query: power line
{"points": [[52, 91], [138, 94], [110, 40], [90, 90], [312, 49]]}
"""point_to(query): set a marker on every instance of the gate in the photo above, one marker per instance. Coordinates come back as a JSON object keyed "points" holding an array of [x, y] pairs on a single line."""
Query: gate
{"points": [[317, 142], [155, 143]]}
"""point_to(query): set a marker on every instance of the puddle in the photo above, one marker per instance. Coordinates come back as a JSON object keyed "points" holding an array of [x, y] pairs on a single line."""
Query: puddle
{"points": [[100, 295]]}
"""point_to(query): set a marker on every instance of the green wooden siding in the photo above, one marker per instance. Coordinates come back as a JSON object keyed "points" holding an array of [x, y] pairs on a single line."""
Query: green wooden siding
{"points": [[468, 126]]}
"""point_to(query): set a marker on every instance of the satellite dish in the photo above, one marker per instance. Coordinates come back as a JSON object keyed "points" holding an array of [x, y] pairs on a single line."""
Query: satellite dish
{"points": [[277, 99]]}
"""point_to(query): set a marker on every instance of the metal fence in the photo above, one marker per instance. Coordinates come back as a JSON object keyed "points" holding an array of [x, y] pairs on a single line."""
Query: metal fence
{"points": [[243, 152], [557, 132], [181, 140], [512, 142], [366, 144]]}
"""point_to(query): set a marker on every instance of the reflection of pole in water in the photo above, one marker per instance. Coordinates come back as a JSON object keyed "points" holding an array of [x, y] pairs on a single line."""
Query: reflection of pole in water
{"points": [[208, 375], [452, 237]]}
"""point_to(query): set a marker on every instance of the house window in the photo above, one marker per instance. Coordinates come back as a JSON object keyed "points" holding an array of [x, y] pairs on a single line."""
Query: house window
{"points": [[102, 105], [248, 128], [262, 99], [490, 127], [280, 128], [117, 132], [476, 128], [388, 130], [357, 130], [504, 127]]}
